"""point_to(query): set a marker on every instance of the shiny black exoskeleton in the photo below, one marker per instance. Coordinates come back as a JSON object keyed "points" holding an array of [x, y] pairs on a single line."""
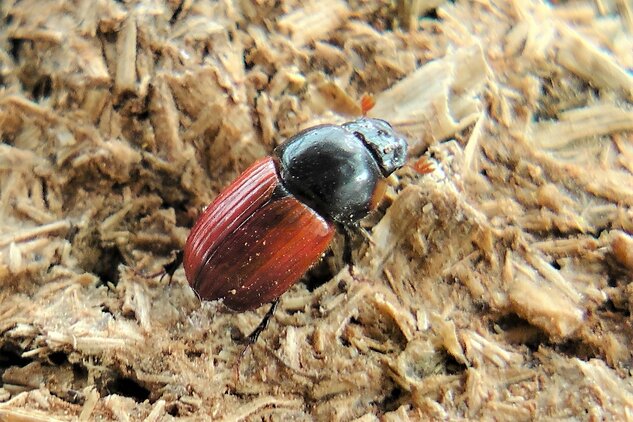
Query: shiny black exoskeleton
{"points": [[339, 170]]}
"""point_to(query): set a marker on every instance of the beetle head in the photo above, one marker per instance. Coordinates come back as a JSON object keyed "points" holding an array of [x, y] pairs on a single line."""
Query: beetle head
{"points": [[385, 144]]}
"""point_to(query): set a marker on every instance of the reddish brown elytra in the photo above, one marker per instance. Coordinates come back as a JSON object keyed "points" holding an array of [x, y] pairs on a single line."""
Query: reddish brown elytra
{"points": [[254, 241]]}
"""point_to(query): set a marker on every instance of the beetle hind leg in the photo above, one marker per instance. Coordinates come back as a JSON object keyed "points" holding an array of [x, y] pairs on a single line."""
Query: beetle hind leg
{"points": [[170, 268], [252, 338]]}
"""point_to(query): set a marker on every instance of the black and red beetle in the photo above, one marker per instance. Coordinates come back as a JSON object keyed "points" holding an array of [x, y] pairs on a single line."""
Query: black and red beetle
{"points": [[269, 226]]}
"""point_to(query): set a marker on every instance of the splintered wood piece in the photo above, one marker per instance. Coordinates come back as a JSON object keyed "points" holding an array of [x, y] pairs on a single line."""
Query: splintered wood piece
{"points": [[313, 21], [438, 99]]}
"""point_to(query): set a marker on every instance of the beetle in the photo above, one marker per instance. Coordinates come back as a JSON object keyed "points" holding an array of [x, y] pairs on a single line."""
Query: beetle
{"points": [[269, 226]]}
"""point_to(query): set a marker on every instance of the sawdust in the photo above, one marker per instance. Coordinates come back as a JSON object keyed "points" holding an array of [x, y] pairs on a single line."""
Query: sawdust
{"points": [[496, 286]]}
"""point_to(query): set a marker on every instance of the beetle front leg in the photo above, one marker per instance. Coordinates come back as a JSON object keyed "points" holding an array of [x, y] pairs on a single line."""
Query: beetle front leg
{"points": [[352, 233]]}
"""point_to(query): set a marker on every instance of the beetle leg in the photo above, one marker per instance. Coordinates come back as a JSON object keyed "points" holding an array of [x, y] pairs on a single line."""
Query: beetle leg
{"points": [[168, 269], [350, 232], [348, 235], [171, 268], [252, 338]]}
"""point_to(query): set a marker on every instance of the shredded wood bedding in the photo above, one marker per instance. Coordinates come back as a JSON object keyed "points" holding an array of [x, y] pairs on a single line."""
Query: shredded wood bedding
{"points": [[499, 285]]}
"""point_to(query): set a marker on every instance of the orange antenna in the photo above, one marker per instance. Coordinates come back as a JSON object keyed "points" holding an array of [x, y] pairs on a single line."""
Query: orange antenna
{"points": [[367, 102], [423, 165]]}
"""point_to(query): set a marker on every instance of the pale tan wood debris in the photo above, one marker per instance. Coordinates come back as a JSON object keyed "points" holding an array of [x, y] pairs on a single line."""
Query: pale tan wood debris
{"points": [[125, 79], [400, 414], [411, 10], [387, 234], [583, 14], [313, 20], [90, 60], [327, 95], [367, 417], [622, 246], [289, 348], [287, 78], [418, 355], [551, 197], [333, 56], [157, 413], [457, 29], [625, 159], [448, 335], [510, 411], [544, 306], [472, 145], [600, 119], [136, 301], [265, 118], [432, 408], [43, 35], [121, 407], [404, 320], [30, 108], [554, 277], [15, 258], [265, 48], [31, 233], [199, 28], [607, 386], [336, 386], [165, 121], [475, 390], [92, 398], [209, 120], [479, 348], [18, 415], [563, 247], [626, 10], [258, 405], [86, 344], [350, 308], [437, 100], [582, 57], [37, 213]]}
